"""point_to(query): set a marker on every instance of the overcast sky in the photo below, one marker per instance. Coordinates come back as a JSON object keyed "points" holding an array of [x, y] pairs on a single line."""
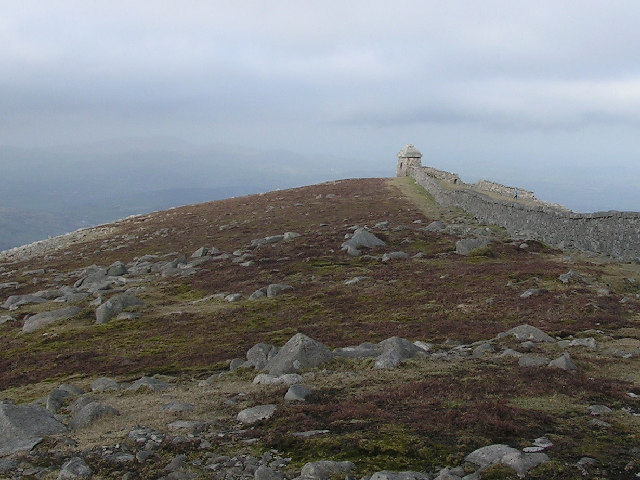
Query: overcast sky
{"points": [[545, 94]]}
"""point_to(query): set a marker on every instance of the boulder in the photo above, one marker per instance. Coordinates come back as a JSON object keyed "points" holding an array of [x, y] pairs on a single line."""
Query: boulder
{"points": [[41, 320], [260, 354], [117, 269], [91, 413], [23, 426], [56, 399], [148, 384], [563, 362], [14, 301], [407, 475], [264, 472], [260, 293], [325, 469], [6, 318], [467, 245], [361, 238], [435, 226], [76, 467], [532, 361], [506, 455], [252, 415], [297, 393], [276, 289], [527, 332], [104, 384], [395, 350], [201, 252], [114, 306], [298, 353]]}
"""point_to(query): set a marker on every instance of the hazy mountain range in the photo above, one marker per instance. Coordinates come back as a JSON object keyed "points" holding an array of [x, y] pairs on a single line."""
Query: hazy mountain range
{"points": [[50, 191]]}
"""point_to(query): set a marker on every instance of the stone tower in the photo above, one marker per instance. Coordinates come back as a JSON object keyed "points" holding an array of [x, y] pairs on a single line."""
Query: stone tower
{"points": [[409, 156]]}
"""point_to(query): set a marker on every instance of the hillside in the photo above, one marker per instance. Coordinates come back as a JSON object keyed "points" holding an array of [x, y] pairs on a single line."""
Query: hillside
{"points": [[563, 396]]}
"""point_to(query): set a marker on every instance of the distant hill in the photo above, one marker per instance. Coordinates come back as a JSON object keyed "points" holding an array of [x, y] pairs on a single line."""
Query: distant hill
{"points": [[63, 188]]}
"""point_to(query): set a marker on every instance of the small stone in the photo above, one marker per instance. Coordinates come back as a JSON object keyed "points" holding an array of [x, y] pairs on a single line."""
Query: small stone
{"points": [[564, 363], [599, 409], [76, 467], [233, 297], [104, 384], [297, 393], [252, 415]]}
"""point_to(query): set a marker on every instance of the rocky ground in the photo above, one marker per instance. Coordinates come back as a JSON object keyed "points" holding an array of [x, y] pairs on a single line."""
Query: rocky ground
{"points": [[350, 329]]}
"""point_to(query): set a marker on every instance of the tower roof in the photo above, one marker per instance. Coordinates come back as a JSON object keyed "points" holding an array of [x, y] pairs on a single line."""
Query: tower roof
{"points": [[409, 152]]}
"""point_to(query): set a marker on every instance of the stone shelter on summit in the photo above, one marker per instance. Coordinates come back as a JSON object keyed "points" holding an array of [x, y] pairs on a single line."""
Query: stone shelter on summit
{"points": [[409, 156]]}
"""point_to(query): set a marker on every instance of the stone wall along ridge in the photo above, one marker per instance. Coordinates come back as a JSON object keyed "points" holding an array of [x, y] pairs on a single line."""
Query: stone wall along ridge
{"points": [[613, 233]]}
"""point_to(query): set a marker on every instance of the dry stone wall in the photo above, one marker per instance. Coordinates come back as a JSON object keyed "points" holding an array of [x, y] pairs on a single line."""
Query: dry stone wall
{"points": [[613, 233]]}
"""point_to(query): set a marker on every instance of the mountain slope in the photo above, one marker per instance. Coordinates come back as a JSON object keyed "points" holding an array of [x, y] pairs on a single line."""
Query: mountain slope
{"points": [[430, 411]]}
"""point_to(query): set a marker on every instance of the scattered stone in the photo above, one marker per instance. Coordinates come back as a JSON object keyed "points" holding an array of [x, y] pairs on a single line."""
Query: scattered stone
{"points": [[361, 238], [276, 289], [15, 301], [527, 332], [563, 362], [41, 320], [298, 353], [148, 384], [599, 409], [260, 293], [260, 354], [435, 226], [533, 361], [407, 475], [467, 245], [505, 455], [263, 472], [355, 280], [114, 306], [286, 379], [76, 467], [589, 343], [571, 276], [297, 393], [531, 292], [481, 350], [325, 469], [90, 414], [23, 426], [539, 444], [394, 256], [599, 423], [310, 433], [290, 236], [252, 415], [104, 384], [233, 297], [117, 269], [189, 426], [201, 252]]}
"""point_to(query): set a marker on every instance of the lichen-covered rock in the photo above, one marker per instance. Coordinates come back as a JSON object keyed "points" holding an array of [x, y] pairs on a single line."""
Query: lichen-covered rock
{"points": [[42, 319], [256, 414], [298, 353], [23, 426]]}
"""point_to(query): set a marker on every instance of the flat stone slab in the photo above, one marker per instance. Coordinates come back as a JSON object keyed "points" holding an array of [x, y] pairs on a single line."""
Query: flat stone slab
{"points": [[24, 426], [256, 414]]}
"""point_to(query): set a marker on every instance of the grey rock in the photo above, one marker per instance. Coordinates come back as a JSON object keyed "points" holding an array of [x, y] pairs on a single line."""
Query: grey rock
{"points": [[260, 293], [435, 226], [201, 252], [467, 245], [263, 472], [395, 256], [599, 423], [117, 269], [365, 350], [116, 305], [481, 350], [260, 354], [571, 276], [148, 384], [6, 318], [237, 363], [285, 379], [76, 467], [15, 301], [406, 475], [71, 389], [389, 359], [298, 353], [56, 399], [527, 332], [41, 320], [446, 474], [90, 414], [104, 384], [531, 292], [297, 393], [355, 280], [325, 469], [395, 350], [599, 409], [563, 362], [505, 455], [533, 361], [233, 297], [189, 426], [177, 463], [23, 426], [276, 289], [81, 402], [252, 415], [361, 238], [589, 343], [290, 236], [8, 465]]}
